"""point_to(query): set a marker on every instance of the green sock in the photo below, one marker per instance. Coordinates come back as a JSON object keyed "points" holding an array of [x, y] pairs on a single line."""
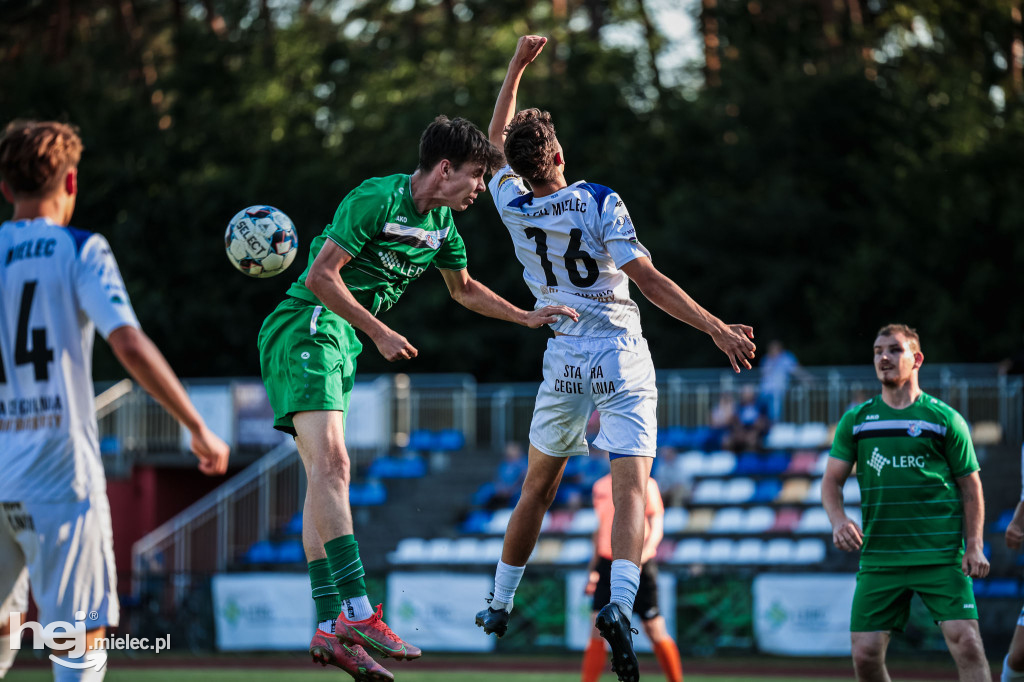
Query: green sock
{"points": [[325, 594], [346, 568]]}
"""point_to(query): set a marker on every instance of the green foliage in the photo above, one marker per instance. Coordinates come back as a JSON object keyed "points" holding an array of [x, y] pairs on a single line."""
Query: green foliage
{"points": [[842, 175]]}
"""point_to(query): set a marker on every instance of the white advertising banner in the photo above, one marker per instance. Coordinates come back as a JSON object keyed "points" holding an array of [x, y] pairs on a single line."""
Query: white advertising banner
{"points": [[803, 615], [368, 423], [578, 607], [258, 611], [437, 611]]}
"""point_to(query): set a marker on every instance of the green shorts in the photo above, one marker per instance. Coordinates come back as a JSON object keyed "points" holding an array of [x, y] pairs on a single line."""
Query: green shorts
{"points": [[881, 600], [308, 360]]}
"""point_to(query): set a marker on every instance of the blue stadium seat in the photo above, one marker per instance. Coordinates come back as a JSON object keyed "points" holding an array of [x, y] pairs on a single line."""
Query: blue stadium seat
{"points": [[289, 552], [476, 522], [449, 440], [1002, 587], [397, 467], [294, 525], [261, 552], [367, 493], [767, 490], [775, 463], [748, 464], [1000, 525], [421, 439]]}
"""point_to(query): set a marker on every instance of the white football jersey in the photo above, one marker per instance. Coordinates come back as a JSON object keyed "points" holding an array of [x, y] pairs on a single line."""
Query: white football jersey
{"points": [[572, 244], [57, 286]]}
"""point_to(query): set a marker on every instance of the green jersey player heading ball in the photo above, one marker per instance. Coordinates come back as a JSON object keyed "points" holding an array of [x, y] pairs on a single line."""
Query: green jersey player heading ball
{"points": [[921, 496], [386, 233]]}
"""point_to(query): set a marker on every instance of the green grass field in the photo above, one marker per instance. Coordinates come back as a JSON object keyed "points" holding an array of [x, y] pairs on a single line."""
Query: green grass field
{"points": [[209, 675], [401, 675]]}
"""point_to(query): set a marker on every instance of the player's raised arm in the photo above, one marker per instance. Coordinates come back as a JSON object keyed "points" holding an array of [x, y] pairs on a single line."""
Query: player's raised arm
{"points": [[527, 50], [732, 339], [477, 297]]}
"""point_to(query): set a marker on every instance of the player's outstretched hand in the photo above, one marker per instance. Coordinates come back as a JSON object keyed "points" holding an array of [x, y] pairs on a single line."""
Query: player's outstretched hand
{"points": [[974, 564], [211, 451], [528, 48], [735, 342], [393, 346], [1014, 536], [549, 314], [848, 536]]}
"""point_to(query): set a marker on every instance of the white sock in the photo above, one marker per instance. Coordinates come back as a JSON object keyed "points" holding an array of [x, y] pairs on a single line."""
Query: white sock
{"points": [[357, 608], [506, 580], [625, 583], [1009, 674], [90, 674], [326, 625], [6, 655]]}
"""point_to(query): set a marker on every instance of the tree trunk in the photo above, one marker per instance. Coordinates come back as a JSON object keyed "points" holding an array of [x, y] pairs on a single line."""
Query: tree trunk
{"points": [[709, 28]]}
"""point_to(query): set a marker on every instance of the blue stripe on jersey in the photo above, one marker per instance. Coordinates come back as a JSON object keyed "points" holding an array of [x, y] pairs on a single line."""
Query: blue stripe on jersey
{"points": [[599, 192], [522, 200], [80, 236]]}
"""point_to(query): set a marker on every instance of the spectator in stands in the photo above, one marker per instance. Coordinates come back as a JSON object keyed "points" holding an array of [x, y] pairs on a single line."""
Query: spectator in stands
{"points": [[722, 415], [777, 366], [749, 424], [1013, 664], [508, 481], [911, 451], [675, 481], [646, 604]]}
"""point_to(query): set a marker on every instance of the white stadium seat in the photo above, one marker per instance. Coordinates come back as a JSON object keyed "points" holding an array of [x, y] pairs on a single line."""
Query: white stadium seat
{"points": [[498, 522], [583, 521], [709, 491], [758, 519], [721, 551], [749, 551], [719, 463], [575, 551], [814, 520], [809, 551], [728, 520], [690, 551], [409, 551], [675, 519], [778, 551]]}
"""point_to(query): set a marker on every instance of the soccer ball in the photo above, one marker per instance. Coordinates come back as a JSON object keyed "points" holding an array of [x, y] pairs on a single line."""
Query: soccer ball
{"points": [[261, 241]]}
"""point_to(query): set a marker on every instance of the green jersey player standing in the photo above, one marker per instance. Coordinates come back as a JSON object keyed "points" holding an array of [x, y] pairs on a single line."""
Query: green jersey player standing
{"points": [[920, 495], [384, 235]]}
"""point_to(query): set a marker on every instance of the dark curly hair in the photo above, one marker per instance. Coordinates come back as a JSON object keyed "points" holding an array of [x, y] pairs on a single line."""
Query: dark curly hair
{"points": [[35, 155], [459, 141], [530, 145]]}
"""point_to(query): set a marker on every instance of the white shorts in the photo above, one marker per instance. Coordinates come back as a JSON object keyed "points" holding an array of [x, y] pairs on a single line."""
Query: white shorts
{"points": [[615, 375], [68, 549]]}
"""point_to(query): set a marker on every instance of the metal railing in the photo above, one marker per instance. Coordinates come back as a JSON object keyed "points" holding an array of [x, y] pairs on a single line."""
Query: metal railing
{"points": [[215, 530], [688, 398]]}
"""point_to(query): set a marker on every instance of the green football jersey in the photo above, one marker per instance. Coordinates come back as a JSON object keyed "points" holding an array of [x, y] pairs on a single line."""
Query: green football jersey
{"points": [[907, 464], [390, 241]]}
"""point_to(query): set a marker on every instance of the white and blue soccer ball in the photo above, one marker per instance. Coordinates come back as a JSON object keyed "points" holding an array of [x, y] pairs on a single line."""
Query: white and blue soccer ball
{"points": [[261, 241]]}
